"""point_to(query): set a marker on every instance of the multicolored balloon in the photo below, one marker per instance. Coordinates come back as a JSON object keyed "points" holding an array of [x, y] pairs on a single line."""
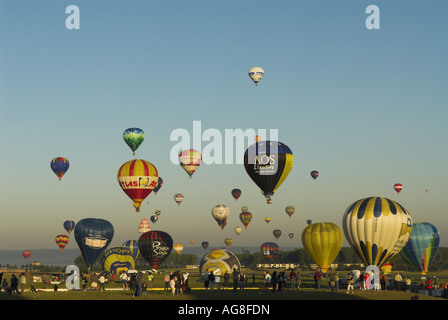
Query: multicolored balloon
{"points": [[178, 197], [132, 246], [322, 242], [290, 210], [269, 250], [133, 138], [268, 163], [59, 165], [204, 245], [61, 241], [291, 235], [190, 160], [377, 229], [236, 193], [69, 225], [422, 247], [398, 187], [245, 218], [137, 178], [256, 73], [155, 246], [93, 236], [220, 213]]}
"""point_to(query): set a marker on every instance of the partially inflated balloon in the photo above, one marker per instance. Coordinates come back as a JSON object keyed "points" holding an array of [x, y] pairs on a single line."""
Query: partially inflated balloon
{"points": [[377, 229], [220, 213], [61, 241], [133, 138], [268, 163], [59, 165], [422, 246], [132, 245], [69, 225], [137, 178], [155, 246], [190, 160], [117, 260], [269, 250], [322, 242], [93, 236], [256, 73]]}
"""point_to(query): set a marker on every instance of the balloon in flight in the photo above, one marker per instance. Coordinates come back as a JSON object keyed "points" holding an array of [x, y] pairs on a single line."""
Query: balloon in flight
{"points": [[236, 193], [422, 246], [267, 219], [314, 174], [62, 241], [290, 210], [190, 160], [220, 213], [398, 187], [93, 236], [178, 247], [137, 178], [228, 242], [245, 218], [178, 197], [26, 254], [133, 138], [204, 245], [256, 73], [238, 230], [322, 242], [277, 233], [377, 228], [269, 250], [268, 163], [69, 225], [59, 165], [159, 185]]}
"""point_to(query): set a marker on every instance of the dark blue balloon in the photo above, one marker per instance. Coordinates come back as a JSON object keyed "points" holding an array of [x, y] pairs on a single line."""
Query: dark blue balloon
{"points": [[93, 236]]}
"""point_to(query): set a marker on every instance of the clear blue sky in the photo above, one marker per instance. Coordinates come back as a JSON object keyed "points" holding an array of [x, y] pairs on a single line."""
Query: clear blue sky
{"points": [[366, 108]]}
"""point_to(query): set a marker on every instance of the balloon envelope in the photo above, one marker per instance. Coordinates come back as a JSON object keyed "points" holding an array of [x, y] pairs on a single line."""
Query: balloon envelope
{"points": [[190, 160], [269, 250], [256, 73], [398, 187], [268, 163], [132, 246], [236, 193], [137, 178], [220, 213], [93, 236], [155, 246], [204, 245], [26, 254], [377, 229], [133, 138], [59, 165], [245, 218], [322, 242], [69, 225], [277, 233], [178, 197], [228, 242], [314, 174], [178, 247], [290, 210], [61, 241], [159, 185], [422, 246], [118, 259]]}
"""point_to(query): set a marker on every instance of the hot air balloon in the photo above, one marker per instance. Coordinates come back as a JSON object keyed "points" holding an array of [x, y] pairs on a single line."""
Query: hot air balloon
{"points": [[377, 229], [26, 254], [155, 246], [178, 197], [159, 185], [422, 246], [256, 73], [228, 242], [236, 193], [69, 225], [178, 247], [238, 230], [398, 187], [93, 236], [219, 261], [314, 174], [290, 210], [322, 242], [154, 218], [269, 250], [267, 219], [132, 246], [133, 138], [220, 213], [137, 178], [192, 241], [245, 218], [205, 245], [144, 226], [190, 160], [277, 233], [118, 259], [158, 212], [61, 241], [291, 235], [59, 165], [268, 163], [309, 221], [258, 138]]}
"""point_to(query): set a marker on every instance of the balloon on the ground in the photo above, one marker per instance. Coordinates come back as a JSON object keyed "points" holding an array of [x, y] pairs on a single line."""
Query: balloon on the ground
{"points": [[155, 246], [268, 163], [93, 235], [220, 213], [133, 138], [219, 261], [269, 250], [377, 229], [190, 160], [132, 245], [59, 165], [256, 73], [322, 242], [69, 225], [62, 241], [118, 259], [422, 247], [137, 178]]}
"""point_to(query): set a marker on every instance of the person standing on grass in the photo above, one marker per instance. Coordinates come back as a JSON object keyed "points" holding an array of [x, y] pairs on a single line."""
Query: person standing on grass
{"points": [[124, 280], [138, 284], [102, 282], [398, 278], [292, 278], [350, 283], [150, 279], [14, 284], [317, 278], [22, 277], [167, 282], [235, 279], [274, 281], [298, 280]]}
